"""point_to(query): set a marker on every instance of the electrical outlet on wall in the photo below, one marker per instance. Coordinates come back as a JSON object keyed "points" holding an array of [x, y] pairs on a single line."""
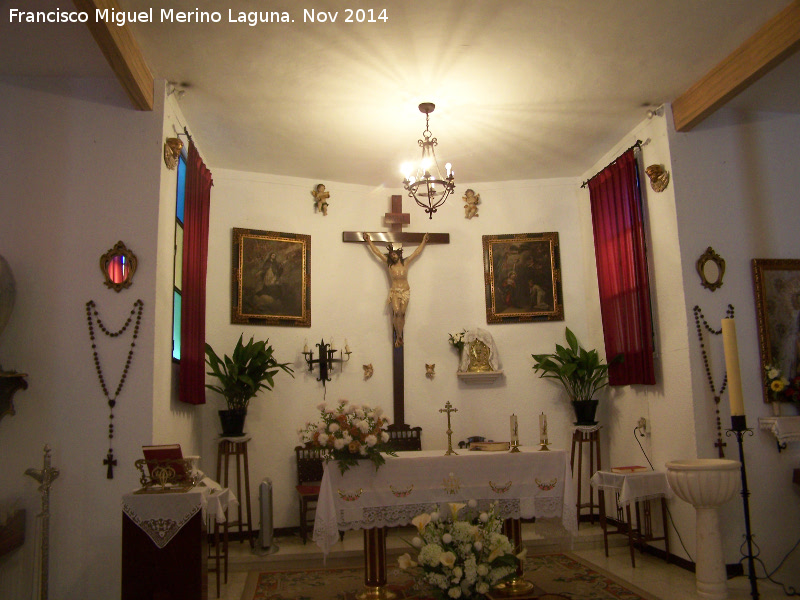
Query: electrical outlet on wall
{"points": [[643, 426]]}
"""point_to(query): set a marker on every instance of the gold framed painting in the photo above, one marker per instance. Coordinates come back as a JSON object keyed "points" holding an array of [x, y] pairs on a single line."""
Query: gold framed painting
{"points": [[777, 288], [271, 278], [522, 277]]}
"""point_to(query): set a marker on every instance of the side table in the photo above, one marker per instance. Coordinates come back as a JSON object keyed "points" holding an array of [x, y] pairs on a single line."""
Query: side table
{"points": [[637, 489], [236, 447]]}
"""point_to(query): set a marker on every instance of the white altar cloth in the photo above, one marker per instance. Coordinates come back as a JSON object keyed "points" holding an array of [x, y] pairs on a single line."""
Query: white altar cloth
{"points": [[633, 487], [527, 484], [162, 515]]}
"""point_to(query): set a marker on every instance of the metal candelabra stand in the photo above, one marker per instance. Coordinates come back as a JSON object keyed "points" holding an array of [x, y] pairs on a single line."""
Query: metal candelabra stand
{"points": [[739, 428]]}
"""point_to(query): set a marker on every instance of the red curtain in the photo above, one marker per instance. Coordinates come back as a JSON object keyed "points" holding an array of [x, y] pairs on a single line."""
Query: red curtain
{"points": [[197, 202], [619, 247]]}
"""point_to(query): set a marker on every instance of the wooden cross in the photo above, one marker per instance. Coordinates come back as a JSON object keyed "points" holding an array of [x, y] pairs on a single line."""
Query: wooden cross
{"points": [[395, 220], [111, 462]]}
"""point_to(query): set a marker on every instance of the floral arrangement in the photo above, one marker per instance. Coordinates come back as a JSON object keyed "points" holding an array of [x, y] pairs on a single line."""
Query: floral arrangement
{"points": [[780, 388], [457, 340], [349, 432], [461, 557]]}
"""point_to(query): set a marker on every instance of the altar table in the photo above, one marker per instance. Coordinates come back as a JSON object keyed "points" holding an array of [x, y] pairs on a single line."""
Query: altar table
{"points": [[526, 484]]}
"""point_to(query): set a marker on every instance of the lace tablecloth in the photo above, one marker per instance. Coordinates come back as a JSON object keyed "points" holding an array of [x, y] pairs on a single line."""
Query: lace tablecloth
{"points": [[526, 484], [633, 487], [162, 515]]}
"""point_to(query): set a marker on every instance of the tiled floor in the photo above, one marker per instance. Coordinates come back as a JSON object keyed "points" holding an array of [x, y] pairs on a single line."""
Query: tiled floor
{"points": [[666, 582]]}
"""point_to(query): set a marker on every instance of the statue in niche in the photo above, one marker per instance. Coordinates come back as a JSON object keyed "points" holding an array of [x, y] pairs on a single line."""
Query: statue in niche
{"points": [[479, 354]]}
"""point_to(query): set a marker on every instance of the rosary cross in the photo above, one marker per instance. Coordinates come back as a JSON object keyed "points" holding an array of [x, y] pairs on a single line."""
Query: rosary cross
{"points": [[111, 462], [448, 408]]}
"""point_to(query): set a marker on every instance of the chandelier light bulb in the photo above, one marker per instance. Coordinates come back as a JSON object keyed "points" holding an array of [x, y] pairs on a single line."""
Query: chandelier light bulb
{"points": [[449, 167], [406, 169]]}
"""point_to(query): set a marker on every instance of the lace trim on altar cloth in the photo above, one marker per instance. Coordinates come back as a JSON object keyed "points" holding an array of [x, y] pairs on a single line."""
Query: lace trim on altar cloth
{"points": [[161, 531], [402, 514]]}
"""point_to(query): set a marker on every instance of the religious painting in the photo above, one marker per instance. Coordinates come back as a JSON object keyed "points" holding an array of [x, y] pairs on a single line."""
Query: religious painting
{"points": [[777, 289], [522, 276], [271, 278]]}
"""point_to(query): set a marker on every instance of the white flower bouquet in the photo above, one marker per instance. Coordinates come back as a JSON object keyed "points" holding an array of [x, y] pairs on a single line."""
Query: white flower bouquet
{"points": [[462, 553], [349, 432]]}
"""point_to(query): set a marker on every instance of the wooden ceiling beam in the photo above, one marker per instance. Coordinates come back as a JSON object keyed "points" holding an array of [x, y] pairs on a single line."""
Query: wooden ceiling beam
{"points": [[778, 38], [121, 51]]}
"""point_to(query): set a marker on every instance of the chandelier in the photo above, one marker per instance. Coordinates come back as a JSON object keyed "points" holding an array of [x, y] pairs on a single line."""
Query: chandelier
{"points": [[424, 182]]}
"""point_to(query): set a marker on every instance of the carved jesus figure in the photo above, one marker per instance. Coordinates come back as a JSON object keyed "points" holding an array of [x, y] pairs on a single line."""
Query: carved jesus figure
{"points": [[399, 290]]}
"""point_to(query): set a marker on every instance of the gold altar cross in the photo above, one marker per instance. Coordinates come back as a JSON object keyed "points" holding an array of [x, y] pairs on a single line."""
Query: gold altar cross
{"points": [[448, 408], [395, 220]]}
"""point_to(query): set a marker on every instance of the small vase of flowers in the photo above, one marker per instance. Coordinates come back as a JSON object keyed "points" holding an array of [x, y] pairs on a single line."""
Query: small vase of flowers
{"points": [[349, 432], [780, 388], [461, 551], [457, 340]]}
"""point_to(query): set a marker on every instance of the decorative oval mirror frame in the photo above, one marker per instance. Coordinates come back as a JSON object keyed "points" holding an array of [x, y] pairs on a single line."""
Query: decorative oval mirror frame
{"points": [[709, 256], [126, 261]]}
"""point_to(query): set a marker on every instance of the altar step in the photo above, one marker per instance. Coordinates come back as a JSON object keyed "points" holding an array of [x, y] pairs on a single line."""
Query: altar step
{"points": [[289, 552]]}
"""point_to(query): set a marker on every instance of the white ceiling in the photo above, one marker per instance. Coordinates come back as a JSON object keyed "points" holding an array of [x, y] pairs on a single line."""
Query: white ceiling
{"points": [[523, 89]]}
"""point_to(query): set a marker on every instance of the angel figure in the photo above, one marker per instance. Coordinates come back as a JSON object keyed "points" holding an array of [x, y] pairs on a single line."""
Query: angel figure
{"points": [[367, 371], [321, 199], [471, 207], [399, 290], [430, 370]]}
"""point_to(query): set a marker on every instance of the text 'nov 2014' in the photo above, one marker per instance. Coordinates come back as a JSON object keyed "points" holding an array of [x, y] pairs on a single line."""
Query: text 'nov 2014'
{"points": [[197, 16]]}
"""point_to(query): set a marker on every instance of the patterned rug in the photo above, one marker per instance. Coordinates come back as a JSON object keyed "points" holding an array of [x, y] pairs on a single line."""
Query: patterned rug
{"points": [[560, 575]]}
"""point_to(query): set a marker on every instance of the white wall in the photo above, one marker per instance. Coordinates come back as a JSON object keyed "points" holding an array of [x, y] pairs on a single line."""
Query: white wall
{"points": [[173, 421], [81, 174], [668, 405], [348, 300], [736, 182], [733, 187]]}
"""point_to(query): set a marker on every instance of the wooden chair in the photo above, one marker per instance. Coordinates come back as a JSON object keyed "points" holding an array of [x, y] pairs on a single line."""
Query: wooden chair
{"points": [[404, 437], [309, 477]]}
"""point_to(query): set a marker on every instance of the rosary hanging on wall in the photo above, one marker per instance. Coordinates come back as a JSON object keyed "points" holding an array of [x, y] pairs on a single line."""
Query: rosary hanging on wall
{"points": [[700, 319], [92, 316]]}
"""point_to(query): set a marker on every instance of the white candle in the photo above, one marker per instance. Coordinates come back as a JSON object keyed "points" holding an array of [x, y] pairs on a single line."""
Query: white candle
{"points": [[346, 347], [305, 345], [514, 431], [732, 366], [542, 427]]}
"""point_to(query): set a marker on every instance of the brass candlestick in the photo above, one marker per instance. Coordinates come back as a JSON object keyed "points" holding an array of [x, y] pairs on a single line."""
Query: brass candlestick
{"points": [[448, 408]]}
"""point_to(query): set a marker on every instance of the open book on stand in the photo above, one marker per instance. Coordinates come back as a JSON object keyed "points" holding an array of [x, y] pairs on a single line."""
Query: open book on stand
{"points": [[166, 466]]}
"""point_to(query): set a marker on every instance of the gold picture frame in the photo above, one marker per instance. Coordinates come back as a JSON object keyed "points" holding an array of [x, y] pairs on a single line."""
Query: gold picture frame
{"points": [[271, 278], [776, 283], [522, 278]]}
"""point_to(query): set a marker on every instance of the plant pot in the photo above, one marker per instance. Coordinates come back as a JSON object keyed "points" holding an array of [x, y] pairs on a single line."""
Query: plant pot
{"points": [[232, 421], [584, 412]]}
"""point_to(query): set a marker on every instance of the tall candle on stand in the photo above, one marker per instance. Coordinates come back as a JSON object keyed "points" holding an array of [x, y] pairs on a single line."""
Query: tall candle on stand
{"points": [[543, 428], [514, 431], [732, 366]]}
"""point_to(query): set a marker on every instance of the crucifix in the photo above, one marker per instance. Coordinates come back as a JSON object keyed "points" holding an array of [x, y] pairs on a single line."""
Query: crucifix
{"points": [[395, 221], [111, 462], [448, 408]]}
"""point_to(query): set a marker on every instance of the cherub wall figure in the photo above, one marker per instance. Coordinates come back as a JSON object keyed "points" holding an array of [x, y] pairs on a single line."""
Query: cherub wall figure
{"points": [[321, 199], [471, 207]]}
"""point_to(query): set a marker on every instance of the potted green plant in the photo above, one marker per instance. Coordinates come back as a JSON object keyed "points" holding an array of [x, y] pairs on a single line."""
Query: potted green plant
{"points": [[249, 369], [580, 371]]}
